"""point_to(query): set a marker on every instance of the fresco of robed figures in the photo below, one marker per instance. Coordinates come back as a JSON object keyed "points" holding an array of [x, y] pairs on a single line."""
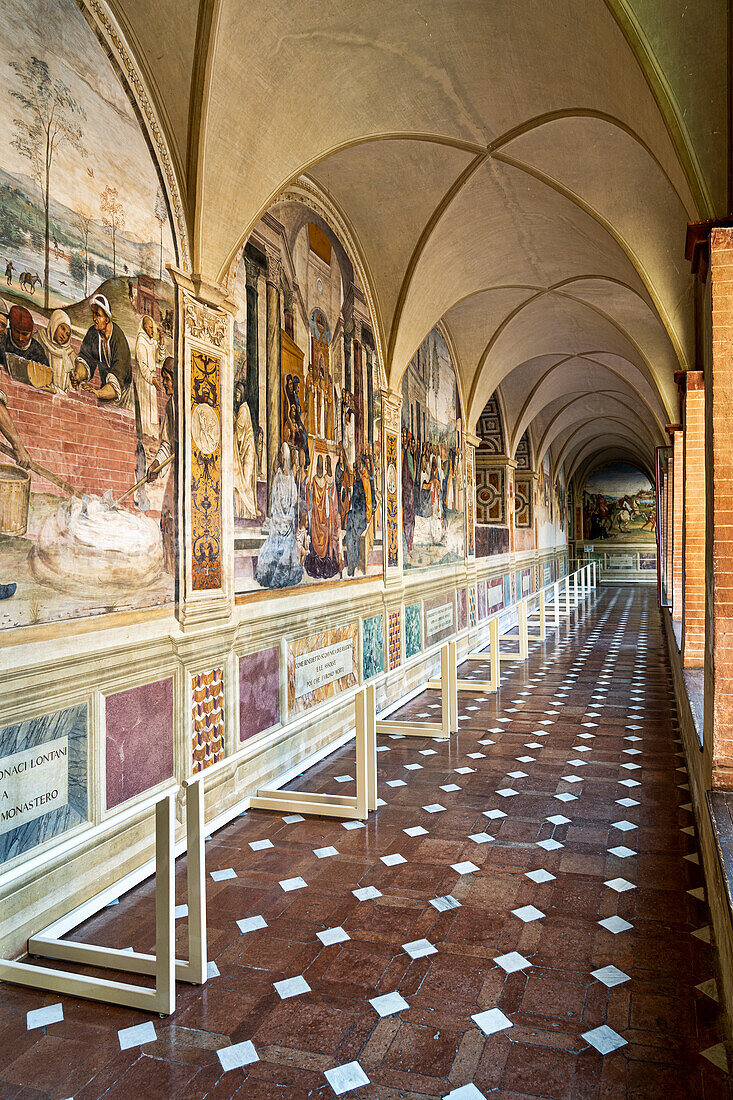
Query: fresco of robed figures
{"points": [[87, 402], [433, 482], [307, 426], [619, 506]]}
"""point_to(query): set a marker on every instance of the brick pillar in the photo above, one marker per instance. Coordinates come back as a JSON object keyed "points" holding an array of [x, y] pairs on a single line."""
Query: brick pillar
{"points": [[693, 603], [678, 459], [719, 515]]}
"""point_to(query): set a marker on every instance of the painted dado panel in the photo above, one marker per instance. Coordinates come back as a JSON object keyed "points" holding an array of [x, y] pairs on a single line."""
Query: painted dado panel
{"points": [[139, 740], [320, 666], [43, 780], [259, 692], [439, 614]]}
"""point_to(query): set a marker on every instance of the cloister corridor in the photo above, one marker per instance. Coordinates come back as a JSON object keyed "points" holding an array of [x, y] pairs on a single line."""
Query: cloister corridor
{"points": [[523, 916]]}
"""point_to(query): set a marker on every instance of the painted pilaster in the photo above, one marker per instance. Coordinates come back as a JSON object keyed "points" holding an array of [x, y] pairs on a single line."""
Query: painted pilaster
{"points": [[205, 386], [274, 271], [392, 466]]}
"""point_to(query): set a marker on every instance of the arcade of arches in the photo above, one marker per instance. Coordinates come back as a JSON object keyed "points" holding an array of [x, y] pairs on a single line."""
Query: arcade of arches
{"points": [[338, 343]]}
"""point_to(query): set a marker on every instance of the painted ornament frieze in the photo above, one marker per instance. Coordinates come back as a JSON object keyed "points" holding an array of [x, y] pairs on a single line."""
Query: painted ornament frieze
{"points": [[206, 563]]}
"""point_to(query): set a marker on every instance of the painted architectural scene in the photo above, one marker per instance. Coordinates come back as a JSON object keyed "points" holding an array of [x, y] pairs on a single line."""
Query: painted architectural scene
{"points": [[87, 320], [433, 478], [619, 506], [307, 410]]}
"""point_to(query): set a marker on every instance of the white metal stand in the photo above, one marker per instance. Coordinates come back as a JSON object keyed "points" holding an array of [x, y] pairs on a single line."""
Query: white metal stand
{"points": [[448, 686], [332, 805], [163, 965]]}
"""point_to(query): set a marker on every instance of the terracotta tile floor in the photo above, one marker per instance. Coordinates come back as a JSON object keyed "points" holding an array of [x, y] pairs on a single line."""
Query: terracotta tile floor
{"points": [[570, 732]]}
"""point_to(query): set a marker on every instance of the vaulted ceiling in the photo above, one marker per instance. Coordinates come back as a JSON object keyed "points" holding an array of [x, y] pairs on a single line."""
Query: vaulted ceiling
{"points": [[522, 173]]}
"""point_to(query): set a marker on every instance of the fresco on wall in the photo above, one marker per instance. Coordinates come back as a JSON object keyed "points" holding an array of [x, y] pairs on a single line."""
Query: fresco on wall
{"points": [[43, 779], [307, 412], [619, 506], [86, 326], [433, 483]]}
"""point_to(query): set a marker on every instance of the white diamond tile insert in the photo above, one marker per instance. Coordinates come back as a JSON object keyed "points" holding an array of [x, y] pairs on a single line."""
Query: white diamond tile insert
{"points": [[465, 771], [221, 876], [333, 935], [604, 1039], [550, 845], [180, 911], [624, 826], [476, 755], [416, 830], [389, 1004], [525, 759], [413, 767], [292, 987], [291, 819], [622, 851], [42, 1017], [418, 949], [572, 778], [492, 1021], [346, 1078], [393, 860], [289, 884], [324, 853], [435, 808], [396, 783], [344, 779], [512, 962], [464, 868], [445, 902], [629, 783], [517, 775], [610, 976], [528, 913], [480, 838], [507, 792], [251, 924], [631, 767], [367, 893], [465, 1092], [541, 875], [449, 787], [137, 1036], [558, 819], [493, 815], [620, 885], [428, 752], [566, 797], [238, 1055], [353, 825]]}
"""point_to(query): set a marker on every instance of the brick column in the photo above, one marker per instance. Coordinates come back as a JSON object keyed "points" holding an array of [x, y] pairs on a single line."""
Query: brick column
{"points": [[693, 534], [719, 516], [675, 528]]}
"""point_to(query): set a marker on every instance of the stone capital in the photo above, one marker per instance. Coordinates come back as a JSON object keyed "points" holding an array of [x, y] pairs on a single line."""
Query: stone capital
{"points": [[274, 267]]}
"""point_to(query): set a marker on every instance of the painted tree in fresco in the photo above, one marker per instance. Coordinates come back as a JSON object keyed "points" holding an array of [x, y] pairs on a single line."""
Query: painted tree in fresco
{"points": [[161, 214], [51, 120], [113, 217], [83, 221]]}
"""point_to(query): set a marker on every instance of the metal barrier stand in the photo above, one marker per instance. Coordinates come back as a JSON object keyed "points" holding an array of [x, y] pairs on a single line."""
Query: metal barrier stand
{"points": [[332, 805]]}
